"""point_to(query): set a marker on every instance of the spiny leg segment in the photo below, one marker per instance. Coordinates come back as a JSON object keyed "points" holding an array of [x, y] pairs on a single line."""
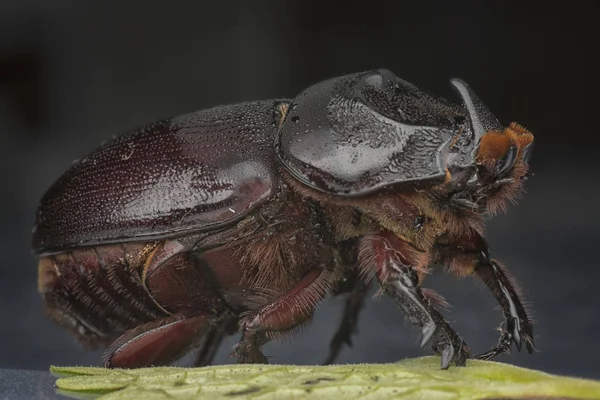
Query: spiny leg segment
{"points": [[396, 265], [469, 255]]}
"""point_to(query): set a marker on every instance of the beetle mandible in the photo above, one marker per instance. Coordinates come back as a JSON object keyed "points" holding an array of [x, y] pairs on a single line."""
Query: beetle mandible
{"points": [[244, 217]]}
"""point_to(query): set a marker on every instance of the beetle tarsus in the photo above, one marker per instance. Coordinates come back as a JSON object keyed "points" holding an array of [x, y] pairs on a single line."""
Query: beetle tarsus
{"points": [[247, 351], [354, 304], [503, 347]]}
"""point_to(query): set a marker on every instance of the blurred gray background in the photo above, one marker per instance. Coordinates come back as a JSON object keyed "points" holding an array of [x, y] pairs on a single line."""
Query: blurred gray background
{"points": [[74, 73]]}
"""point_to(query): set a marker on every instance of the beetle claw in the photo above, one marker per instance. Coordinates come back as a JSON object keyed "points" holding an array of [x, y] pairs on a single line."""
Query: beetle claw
{"points": [[452, 349], [529, 344], [516, 336], [447, 356]]}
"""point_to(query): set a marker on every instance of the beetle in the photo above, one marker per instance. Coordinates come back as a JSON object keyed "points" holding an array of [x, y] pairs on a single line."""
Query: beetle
{"points": [[242, 218]]}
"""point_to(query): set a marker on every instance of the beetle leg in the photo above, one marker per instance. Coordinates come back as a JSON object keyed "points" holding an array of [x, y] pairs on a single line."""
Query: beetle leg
{"points": [[397, 267], [156, 343], [213, 339], [518, 324], [286, 312], [354, 304], [469, 256], [247, 351], [210, 345]]}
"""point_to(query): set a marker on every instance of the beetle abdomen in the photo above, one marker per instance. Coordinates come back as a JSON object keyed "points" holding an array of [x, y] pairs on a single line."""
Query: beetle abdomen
{"points": [[97, 293]]}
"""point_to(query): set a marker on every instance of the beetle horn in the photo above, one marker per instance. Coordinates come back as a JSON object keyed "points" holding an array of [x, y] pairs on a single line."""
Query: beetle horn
{"points": [[482, 119]]}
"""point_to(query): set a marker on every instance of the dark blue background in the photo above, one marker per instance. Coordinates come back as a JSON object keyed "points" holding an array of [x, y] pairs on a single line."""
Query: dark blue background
{"points": [[74, 73]]}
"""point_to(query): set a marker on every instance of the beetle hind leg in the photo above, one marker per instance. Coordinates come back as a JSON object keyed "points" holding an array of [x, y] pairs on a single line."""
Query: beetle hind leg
{"points": [[176, 282], [157, 343]]}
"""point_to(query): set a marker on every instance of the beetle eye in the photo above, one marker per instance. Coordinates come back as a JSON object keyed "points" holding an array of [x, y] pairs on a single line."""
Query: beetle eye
{"points": [[506, 162], [527, 152]]}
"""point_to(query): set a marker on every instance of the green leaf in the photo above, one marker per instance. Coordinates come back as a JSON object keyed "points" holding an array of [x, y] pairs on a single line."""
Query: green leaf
{"points": [[414, 378]]}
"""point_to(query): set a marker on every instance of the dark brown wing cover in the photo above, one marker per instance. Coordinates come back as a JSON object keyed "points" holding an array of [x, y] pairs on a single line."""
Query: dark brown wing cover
{"points": [[189, 173]]}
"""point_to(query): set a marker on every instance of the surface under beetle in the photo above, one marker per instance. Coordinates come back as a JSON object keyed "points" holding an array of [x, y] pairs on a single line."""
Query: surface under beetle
{"points": [[242, 218]]}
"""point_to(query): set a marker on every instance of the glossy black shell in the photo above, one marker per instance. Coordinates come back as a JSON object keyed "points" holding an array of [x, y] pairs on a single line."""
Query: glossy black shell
{"points": [[358, 133], [347, 136], [190, 173]]}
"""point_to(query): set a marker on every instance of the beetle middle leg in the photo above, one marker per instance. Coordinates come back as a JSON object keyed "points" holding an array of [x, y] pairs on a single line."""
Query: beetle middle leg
{"points": [[285, 313], [398, 268], [227, 325], [354, 302], [469, 256]]}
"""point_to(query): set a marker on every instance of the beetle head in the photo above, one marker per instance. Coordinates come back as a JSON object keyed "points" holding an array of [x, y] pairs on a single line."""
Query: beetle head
{"points": [[355, 134], [500, 155]]}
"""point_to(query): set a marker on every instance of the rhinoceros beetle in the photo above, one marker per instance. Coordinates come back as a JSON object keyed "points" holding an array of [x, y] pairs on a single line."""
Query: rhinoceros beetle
{"points": [[244, 217]]}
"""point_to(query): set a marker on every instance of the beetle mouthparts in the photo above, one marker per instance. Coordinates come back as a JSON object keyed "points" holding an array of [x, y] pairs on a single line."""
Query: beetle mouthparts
{"points": [[519, 129]]}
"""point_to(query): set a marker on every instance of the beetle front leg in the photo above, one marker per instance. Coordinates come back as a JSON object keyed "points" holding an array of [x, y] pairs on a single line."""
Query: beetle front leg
{"points": [[469, 256], [518, 324], [286, 312], [398, 267]]}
